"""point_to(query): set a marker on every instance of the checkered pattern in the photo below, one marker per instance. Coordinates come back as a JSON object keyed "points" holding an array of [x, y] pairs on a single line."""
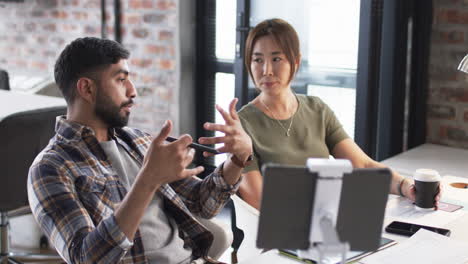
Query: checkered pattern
{"points": [[73, 192]]}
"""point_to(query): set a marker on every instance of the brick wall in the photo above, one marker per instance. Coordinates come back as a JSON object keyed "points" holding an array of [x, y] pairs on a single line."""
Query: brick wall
{"points": [[33, 33], [448, 88]]}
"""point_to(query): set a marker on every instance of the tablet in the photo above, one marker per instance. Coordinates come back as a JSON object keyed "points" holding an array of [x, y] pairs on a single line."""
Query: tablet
{"points": [[286, 207], [288, 199]]}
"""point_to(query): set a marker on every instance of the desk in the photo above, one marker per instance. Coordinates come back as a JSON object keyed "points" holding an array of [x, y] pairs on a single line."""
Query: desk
{"points": [[13, 102], [446, 160], [449, 162]]}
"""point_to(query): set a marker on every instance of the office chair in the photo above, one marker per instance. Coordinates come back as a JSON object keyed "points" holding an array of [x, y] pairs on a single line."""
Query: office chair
{"points": [[4, 80], [237, 233], [22, 136]]}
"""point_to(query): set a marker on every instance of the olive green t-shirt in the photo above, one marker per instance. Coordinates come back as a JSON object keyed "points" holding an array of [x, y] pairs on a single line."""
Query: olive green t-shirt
{"points": [[314, 133]]}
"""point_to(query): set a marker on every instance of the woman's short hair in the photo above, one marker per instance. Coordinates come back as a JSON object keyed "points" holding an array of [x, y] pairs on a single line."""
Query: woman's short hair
{"points": [[285, 37]]}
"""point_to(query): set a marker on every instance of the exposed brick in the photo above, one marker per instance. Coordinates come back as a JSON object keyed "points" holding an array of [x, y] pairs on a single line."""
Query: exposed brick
{"points": [[443, 72], [20, 39], [465, 115], [92, 4], [451, 16], [38, 13], [154, 18], [165, 5], [453, 133], [50, 27], [79, 15], [143, 63], [140, 33], [91, 30], [32, 36], [147, 4], [165, 94], [453, 94], [148, 79], [166, 64], [69, 27], [41, 40], [59, 14], [47, 3], [451, 37], [21, 13], [21, 63], [30, 27], [155, 49], [138, 4], [145, 91], [69, 2], [39, 65], [441, 111], [31, 51], [132, 19], [166, 35], [59, 41], [50, 54]]}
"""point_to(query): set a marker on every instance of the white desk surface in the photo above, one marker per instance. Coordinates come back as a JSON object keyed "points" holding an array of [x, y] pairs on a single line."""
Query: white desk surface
{"points": [[449, 162], [13, 102], [446, 160]]}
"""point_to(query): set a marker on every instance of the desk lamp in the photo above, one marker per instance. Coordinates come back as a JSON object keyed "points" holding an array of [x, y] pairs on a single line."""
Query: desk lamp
{"points": [[463, 66]]}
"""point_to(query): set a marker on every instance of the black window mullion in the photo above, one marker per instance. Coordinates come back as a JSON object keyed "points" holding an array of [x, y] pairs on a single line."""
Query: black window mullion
{"points": [[204, 67], [422, 22], [392, 83], [224, 67], [242, 30], [367, 75]]}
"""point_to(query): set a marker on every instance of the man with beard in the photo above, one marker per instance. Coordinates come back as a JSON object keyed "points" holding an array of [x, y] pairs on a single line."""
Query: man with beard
{"points": [[106, 193]]}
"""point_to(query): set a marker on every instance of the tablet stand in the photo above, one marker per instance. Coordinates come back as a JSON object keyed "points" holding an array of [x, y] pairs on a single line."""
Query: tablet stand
{"points": [[323, 238]]}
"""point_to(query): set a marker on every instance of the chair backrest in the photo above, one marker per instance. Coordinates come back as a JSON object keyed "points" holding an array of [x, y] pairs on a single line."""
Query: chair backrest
{"points": [[22, 136], [238, 234], [4, 80]]}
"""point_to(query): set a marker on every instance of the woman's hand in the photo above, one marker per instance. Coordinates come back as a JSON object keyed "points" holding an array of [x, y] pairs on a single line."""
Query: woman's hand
{"points": [[409, 192]]}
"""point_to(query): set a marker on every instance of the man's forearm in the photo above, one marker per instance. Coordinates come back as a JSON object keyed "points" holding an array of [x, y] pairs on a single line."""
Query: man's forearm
{"points": [[231, 172], [130, 212]]}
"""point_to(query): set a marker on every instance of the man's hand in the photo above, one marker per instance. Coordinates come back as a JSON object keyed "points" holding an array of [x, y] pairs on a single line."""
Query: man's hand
{"points": [[235, 139], [166, 163]]}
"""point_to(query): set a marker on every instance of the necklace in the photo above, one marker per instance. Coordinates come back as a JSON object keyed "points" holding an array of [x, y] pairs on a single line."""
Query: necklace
{"points": [[274, 117]]}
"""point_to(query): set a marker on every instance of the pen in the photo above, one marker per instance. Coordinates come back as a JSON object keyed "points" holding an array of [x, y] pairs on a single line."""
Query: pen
{"points": [[291, 255], [196, 146]]}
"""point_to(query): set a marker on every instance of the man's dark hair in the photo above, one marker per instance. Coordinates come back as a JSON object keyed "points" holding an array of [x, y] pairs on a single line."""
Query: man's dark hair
{"points": [[85, 57]]}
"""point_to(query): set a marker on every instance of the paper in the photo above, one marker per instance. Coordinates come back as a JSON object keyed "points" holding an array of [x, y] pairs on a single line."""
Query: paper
{"points": [[423, 247], [404, 210]]}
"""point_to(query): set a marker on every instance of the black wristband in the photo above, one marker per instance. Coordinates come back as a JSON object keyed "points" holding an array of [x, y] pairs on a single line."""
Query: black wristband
{"points": [[400, 185]]}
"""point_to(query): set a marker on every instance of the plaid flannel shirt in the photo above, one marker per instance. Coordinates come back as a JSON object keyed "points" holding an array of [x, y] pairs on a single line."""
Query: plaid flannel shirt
{"points": [[73, 192]]}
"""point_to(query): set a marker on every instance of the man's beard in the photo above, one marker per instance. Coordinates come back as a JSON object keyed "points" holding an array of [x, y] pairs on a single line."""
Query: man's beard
{"points": [[109, 112]]}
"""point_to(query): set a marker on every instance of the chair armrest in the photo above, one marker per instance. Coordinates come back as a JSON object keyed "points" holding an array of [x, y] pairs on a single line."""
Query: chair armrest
{"points": [[24, 210]]}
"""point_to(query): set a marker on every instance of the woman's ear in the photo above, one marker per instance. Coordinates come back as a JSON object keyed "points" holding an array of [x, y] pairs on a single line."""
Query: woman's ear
{"points": [[86, 89]]}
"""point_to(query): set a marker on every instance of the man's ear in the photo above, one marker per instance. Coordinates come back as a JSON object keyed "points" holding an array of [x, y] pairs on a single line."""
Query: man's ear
{"points": [[86, 89]]}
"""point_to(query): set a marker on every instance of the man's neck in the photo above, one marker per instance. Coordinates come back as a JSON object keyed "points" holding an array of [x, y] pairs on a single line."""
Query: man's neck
{"points": [[100, 129]]}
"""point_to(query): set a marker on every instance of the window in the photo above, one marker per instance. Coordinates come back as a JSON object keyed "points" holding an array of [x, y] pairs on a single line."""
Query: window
{"points": [[329, 34]]}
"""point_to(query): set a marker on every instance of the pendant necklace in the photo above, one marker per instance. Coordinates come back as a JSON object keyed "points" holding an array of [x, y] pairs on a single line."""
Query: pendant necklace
{"points": [[274, 117]]}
